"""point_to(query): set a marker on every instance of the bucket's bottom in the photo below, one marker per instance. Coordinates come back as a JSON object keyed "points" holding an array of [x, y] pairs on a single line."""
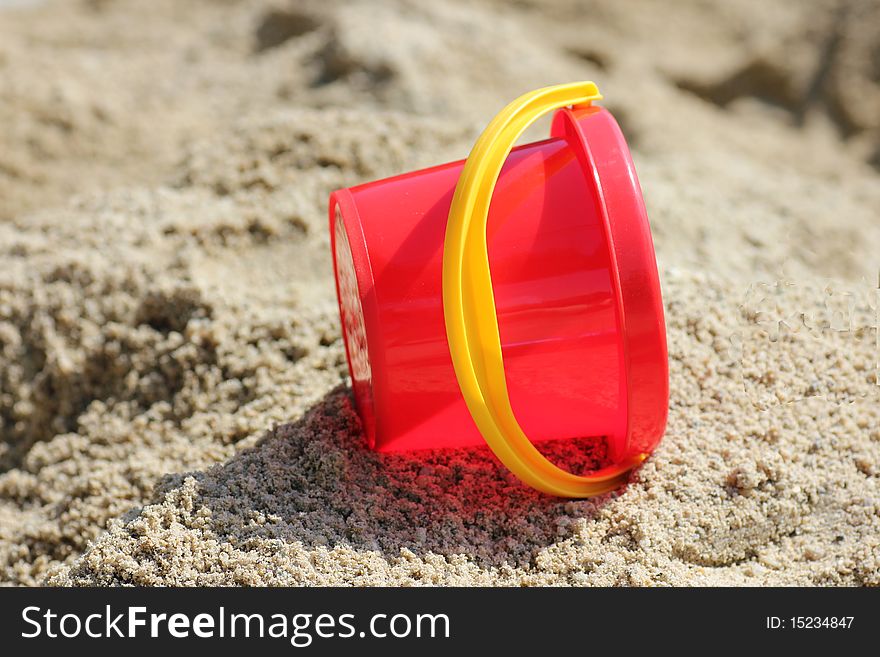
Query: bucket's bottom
{"points": [[353, 329]]}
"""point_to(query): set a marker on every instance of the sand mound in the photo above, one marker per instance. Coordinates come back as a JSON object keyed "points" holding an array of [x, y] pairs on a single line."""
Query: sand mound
{"points": [[173, 400]]}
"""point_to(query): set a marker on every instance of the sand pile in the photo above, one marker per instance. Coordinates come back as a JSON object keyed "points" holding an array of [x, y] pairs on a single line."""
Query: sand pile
{"points": [[173, 400]]}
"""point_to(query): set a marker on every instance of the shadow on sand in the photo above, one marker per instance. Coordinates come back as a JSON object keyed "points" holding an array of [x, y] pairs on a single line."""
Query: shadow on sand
{"points": [[314, 481]]}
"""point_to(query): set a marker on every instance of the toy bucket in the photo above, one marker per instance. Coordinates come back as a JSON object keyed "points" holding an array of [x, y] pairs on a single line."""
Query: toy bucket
{"points": [[565, 338]]}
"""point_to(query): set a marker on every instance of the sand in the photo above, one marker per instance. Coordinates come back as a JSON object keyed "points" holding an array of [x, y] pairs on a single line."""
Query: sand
{"points": [[174, 404]]}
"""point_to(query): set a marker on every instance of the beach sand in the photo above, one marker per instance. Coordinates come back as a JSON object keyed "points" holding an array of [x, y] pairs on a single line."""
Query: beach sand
{"points": [[174, 401]]}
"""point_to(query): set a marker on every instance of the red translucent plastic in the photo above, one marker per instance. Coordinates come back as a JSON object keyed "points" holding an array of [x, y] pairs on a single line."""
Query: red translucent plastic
{"points": [[576, 289]]}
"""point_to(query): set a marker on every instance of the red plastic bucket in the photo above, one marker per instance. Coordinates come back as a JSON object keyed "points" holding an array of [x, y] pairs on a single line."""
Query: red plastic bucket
{"points": [[576, 289]]}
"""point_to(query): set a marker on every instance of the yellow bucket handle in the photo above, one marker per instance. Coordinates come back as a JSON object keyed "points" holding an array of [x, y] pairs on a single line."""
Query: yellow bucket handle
{"points": [[469, 304]]}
